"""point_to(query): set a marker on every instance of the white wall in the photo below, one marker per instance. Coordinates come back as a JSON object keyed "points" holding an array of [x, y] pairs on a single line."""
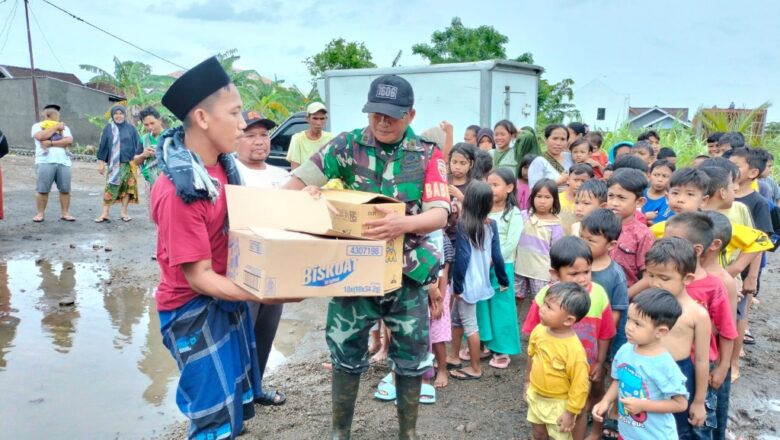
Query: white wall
{"points": [[523, 90], [594, 95], [453, 96]]}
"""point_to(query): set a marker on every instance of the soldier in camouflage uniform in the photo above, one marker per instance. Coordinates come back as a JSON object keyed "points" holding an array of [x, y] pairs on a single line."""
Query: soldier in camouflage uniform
{"points": [[385, 158]]}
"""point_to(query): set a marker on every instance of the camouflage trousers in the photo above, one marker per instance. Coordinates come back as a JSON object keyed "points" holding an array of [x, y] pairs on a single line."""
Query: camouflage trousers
{"points": [[405, 312]]}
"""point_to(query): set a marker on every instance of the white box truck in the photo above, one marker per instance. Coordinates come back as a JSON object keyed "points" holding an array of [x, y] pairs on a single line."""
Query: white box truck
{"points": [[480, 93]]}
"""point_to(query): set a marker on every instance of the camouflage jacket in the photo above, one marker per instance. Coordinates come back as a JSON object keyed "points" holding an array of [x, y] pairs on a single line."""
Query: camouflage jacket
{"points": [[414, 173]]}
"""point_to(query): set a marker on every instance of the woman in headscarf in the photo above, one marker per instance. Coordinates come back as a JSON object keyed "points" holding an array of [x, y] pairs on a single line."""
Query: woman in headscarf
{"points": [[486, 140], [119, 144], [527, 143]]}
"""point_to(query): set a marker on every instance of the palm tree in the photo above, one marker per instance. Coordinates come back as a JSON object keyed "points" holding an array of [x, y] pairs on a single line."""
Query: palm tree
{"points": [[725, 121], [133, 80]]}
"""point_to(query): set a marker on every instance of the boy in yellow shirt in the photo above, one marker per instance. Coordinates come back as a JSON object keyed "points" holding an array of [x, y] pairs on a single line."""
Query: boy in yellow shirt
{"points": [[557, 375]]}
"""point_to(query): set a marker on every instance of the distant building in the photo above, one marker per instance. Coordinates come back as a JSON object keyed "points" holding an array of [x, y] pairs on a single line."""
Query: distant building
{"points": [[641, 118], [601, 107], [78, 102]]}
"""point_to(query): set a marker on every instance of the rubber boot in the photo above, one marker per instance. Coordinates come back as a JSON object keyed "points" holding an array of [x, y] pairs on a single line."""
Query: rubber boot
{"points": [[407, 390], [344, 389]]}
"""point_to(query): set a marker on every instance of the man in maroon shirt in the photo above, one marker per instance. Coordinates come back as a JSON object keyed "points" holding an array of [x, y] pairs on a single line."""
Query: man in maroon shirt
{"points": [[204, 318]]}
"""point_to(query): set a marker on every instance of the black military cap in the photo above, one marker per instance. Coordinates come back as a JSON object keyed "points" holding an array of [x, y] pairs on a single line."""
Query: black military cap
{"points": [[253, 118], [390, 95], [194, 86]]}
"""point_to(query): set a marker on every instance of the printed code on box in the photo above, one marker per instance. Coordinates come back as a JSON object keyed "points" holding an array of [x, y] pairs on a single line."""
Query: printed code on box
{"points": [[364, 251], [252, 278], [256, 247]]}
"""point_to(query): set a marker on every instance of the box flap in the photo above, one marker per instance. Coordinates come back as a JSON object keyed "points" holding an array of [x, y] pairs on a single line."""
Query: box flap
{"points": [[279, 234], [349, 196], [277, 209]]}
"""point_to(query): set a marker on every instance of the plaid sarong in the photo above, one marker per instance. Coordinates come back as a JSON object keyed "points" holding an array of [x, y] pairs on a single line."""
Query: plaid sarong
{"points": [[213, 344]]}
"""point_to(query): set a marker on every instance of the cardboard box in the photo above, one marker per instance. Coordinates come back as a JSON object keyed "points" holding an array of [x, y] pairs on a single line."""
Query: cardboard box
{"points": [[355, 209], [270, 258]]}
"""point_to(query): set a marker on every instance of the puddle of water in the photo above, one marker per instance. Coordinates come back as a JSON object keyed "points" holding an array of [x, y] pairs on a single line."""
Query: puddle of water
{"points": [[102, 355], [289, 334], [68, 340]]}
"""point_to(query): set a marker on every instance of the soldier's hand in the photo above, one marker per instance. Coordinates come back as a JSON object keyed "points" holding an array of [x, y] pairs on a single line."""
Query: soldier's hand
{"points": [[314, 191], [387, 228]]}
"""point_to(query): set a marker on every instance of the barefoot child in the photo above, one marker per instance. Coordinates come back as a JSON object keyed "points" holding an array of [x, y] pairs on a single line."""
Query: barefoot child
{"points": [[477, 245], [579, 173], [671, 264], [556, 378], [656, 208], [589, 197], [571, 261], [497, 316], [541, 228], [709, 291], [601, 229], [647, 385]]}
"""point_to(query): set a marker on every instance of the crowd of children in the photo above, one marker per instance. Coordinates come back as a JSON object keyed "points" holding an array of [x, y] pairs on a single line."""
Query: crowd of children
{"points": [[639, 272]]}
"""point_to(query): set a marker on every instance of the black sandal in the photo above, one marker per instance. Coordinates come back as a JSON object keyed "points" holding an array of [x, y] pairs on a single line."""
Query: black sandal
{"points": [[271, 398], [609, 430]]}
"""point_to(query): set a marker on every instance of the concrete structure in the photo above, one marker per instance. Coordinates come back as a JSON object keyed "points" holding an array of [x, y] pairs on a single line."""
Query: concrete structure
{"points": [[601, 107], [480, 93], [78, 103], [657, 117]]}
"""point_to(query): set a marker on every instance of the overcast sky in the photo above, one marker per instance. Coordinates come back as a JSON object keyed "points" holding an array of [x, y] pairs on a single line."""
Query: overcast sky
{"points": [[666, 53]]}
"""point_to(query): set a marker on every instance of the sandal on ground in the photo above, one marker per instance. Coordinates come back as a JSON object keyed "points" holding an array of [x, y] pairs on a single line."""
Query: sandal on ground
{"points": [[461, 374], [464, 354], [386, 389], [271, 398], [454, 366], [68, 218], [38, 219], [500, 361], [126, 219], [610, 430], [427, 394], [102, 220], [749, 339]]}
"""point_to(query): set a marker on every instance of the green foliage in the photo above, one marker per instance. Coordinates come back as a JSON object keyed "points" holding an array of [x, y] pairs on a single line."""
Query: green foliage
{"points": [[457, 44], [135, 81], [723, 121], [339, 54], [554, 102]]}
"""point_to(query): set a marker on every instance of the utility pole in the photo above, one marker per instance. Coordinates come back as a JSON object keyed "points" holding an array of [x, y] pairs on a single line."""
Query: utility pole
{"points": [[32, 62]]}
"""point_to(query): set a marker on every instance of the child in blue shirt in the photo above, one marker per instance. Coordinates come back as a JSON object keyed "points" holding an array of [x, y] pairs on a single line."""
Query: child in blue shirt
{"points": [[648, 384], [656, 208]]}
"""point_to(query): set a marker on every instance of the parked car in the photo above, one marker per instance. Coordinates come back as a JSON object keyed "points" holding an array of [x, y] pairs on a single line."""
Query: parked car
{"points": [[280, 139]]}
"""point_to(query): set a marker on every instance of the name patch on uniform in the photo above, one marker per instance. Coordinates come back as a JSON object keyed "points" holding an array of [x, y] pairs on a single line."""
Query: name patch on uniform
{"points": [[386, 91], [436, 190]]}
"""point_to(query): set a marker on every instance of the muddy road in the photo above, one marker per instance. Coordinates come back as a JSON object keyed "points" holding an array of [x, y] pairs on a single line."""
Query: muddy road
{"points": [[81, 355]]}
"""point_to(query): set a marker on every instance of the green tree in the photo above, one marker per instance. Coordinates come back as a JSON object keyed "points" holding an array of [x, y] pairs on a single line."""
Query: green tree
{"points": [[458, 44], [339, 54], [723, 121]]}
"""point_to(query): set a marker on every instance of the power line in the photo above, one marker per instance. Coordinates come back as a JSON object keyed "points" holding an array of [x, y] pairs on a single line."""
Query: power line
{"points": [[43, 34], [77, 18], [9, 22]]}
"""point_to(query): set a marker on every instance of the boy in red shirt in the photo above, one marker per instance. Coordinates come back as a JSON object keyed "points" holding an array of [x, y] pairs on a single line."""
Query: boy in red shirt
{"points": [[710, 292]]}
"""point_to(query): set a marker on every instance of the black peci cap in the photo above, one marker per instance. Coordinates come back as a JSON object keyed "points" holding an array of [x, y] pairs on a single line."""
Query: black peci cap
{"points": [[54, 106], [194, 86], [390, 95]]}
